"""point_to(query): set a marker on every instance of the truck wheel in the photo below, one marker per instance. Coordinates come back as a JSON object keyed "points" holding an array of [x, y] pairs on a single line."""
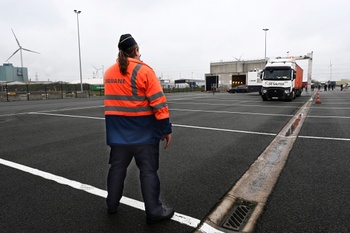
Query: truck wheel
{"points": [[290, 98], [294, 95]]}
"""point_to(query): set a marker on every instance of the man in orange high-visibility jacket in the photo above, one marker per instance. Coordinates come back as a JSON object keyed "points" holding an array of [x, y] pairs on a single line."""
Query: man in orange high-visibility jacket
{"points": [[137, 118]]}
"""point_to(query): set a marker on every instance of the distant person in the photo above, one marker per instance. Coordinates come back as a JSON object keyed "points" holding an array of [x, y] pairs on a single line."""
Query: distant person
{"points": [[325, 87], [341, 87], [137, 118]]}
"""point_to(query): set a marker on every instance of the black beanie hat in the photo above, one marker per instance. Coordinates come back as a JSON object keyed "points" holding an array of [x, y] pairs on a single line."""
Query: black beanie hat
{"points": [[126, 41]]}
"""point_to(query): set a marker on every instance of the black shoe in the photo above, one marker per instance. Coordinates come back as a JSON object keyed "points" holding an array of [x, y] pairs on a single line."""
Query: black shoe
{"points": [[112, 211], [167, 214]]}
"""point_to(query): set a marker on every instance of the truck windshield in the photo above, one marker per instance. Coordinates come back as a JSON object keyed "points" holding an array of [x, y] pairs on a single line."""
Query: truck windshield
{"points": [[277, 74]]}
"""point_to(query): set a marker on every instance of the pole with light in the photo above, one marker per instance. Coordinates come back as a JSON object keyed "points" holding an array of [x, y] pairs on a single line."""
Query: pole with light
{"points": [[330, 66], [81, 77], [265, 29]]}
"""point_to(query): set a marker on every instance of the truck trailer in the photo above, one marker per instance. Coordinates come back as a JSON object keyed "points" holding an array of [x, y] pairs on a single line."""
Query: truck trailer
{"points": [[254, 81], [281, 79]]}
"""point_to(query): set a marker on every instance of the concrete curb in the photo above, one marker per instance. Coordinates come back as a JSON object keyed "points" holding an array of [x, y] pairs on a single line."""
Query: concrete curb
{"points": [[258, 181]]}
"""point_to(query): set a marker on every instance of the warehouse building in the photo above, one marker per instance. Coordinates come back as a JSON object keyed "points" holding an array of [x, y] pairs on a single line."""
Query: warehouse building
{"points": [[227, 74]]}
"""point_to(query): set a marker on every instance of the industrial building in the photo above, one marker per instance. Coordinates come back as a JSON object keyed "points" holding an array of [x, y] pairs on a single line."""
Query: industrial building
{"points": [[227, 74], [9, 73]]}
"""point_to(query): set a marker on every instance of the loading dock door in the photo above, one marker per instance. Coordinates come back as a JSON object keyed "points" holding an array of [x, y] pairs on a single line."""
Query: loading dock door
{"points": [[238, 79], [211, 81]]}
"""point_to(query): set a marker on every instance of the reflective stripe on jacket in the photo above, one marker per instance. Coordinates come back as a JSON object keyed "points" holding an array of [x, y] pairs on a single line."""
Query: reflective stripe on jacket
{"points": [[138, 94]]}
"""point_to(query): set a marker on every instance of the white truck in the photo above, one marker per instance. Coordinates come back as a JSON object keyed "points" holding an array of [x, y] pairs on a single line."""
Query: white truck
{"points": [[282, 78], [253, 80]]}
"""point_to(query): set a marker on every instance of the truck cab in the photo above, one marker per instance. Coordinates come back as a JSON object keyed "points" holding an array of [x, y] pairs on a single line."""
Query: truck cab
{"points": [[281, 79]]}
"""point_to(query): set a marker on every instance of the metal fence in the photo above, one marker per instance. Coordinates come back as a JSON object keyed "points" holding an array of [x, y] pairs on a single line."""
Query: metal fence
{"points": [[18, 92], [48, 91], [179, 89]]}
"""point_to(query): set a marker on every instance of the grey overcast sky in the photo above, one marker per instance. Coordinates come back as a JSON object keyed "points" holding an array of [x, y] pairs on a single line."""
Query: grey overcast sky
{"points": [[178, 39]]}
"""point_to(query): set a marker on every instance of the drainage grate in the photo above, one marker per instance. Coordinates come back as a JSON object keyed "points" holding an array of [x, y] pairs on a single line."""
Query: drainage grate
{"points": [[239, 215]]}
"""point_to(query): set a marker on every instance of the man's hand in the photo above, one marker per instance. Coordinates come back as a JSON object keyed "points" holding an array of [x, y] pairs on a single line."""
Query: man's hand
{"points": [[167, 137]]}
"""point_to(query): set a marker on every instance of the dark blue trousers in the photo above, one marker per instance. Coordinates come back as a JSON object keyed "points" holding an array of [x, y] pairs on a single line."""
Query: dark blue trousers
{"points": [[147, 160]]}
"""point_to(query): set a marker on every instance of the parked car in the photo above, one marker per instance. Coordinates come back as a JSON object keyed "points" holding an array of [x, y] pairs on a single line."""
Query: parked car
{"points": [[240, 88]]}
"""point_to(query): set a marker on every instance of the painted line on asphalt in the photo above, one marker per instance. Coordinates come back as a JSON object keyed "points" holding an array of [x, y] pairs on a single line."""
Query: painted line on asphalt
{"points": [[186, 98], [181, 218], [176, 125], [65, 115], [225, 130], [230, 112], [139, 205], [332, 108], [54, 110], [233, 105], [76, 108], [198, 127], [184, 110], [325, 138], [335, 117]]}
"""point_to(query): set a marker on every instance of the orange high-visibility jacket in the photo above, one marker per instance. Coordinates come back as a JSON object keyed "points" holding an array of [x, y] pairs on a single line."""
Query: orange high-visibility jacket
{"points": [[135, 106], [137, 94]]}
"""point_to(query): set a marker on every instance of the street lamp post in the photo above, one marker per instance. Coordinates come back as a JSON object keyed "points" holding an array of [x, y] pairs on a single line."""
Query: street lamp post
{"points": [[330, 66], [265, 29], [81, 77]]}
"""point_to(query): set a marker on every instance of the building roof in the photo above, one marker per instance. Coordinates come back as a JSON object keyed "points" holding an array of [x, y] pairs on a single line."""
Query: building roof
{"points": [[94, 81]]}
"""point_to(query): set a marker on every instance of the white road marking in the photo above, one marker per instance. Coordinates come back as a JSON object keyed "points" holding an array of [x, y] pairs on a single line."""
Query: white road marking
{"points": [[13, 114], [65, 115], [225, 130], [198, 127], [233, 105], [186, 98], [335, 117], [325, 138], [54, 110], [181, 218], [76, 108], [230, 112], [206, 228], [176, 125]]}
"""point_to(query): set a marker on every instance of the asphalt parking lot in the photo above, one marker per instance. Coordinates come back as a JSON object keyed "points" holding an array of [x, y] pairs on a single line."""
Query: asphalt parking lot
{"points": [[54, 163]]}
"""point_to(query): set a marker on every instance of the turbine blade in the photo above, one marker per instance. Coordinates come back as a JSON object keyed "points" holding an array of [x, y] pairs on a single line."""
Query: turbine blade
{"points": [[30, 50], [12, 54], [15, 38]]}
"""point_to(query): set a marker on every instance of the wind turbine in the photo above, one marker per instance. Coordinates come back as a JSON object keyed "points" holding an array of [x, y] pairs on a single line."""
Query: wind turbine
{"points": [[20, 48], [238, 59], [96, 73], [97, 69]]}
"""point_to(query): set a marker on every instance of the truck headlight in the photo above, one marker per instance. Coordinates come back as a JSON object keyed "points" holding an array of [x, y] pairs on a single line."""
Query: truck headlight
{"points": [[264, 91], [287, 91]]}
